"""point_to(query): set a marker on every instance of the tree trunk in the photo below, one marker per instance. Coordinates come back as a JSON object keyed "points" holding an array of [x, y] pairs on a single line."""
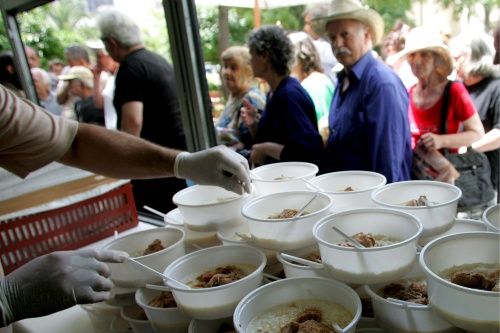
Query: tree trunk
{"points": [[223, 28]]}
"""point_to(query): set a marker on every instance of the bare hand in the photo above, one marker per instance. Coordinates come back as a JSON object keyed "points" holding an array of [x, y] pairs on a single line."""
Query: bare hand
{"points": [[431, 141], [247, 113]]}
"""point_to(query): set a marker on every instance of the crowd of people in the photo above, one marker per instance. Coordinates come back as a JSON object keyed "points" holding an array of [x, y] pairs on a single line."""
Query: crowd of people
{"points": [[329, 99]]}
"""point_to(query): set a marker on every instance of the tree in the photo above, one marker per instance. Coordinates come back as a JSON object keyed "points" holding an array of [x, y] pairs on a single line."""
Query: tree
{"points": [[391, 11], [459, 6]]}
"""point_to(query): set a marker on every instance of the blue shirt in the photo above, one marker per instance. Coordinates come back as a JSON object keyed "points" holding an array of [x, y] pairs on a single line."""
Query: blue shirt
{"points": [[369, 128], [290, 119]]}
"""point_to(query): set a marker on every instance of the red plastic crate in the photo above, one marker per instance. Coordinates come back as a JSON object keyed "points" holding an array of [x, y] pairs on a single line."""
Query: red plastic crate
{"points": [[25, 238]]}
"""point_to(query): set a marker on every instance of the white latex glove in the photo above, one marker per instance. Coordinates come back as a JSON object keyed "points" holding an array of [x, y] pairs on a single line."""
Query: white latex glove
{"points": [[57, 281], [219, 166]]}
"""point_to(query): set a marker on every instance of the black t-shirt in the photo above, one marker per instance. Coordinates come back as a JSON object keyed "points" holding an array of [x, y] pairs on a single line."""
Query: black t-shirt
{"points": [[146, 77], [486, 97]]}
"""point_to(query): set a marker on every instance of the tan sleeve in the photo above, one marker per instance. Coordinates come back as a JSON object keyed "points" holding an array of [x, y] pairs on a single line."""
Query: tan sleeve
{"points": [[30, 137]]}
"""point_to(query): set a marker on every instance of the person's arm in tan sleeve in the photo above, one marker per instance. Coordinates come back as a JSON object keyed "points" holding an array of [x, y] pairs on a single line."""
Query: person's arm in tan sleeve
{"points": [[132, 117]]}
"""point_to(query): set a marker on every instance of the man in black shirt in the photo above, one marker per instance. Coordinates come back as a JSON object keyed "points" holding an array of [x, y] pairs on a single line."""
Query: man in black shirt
{"points": [[145, 101]]}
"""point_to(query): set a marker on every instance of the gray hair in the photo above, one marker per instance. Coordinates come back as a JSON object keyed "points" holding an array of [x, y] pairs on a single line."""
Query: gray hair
{"points": [[272, 41], [45, 77], [115, 24], [77, 52], [480, 62]]}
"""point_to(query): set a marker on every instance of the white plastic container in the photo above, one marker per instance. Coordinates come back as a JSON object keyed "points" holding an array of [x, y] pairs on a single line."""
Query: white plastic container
{"points": [[282, 177], [491, 217], [293, 269], [362, 183], [131, 314], [209, 208], [163, 320], [396, 317], [473, 310], [290, 233], [289, 290], [435, 219], [459, 226], [101, 315], [368, 265], [216, 302], [127, 274], [208, 326]]}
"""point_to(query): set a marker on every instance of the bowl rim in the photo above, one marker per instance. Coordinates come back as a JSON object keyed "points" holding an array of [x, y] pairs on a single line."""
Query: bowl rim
{"points": [[329, 217], [286, 262], [350, 172], [428, 247], [386, 187], [134, 320], [306, 280], [413, 306], [150, 231], [175, 198], [258, 270], [485, 219], [287, 220], [314, 171]]}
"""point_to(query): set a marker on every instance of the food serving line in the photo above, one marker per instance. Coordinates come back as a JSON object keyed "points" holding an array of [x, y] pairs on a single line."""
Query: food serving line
{"points": [[361, 202]]}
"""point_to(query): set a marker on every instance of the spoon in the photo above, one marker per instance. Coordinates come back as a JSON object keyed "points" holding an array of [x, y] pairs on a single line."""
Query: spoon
{"points": [[404, 303], [157, 287], [163, 276], [152, 210], [304, 207], [302, 261], [356, 244]]}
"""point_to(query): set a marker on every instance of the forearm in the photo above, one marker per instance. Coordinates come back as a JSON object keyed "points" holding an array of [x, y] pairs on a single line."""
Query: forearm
{"points": [[98, 99], [118, 155], [63, 95], [490, 141], [459, 139]]}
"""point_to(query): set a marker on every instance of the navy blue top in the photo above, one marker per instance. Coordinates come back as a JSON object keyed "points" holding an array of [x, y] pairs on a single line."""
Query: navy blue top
{"points": [[369, 127], [290, 119]]}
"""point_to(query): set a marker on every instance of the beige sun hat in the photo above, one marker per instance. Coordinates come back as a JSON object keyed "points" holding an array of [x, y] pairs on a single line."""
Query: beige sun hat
{"points": [[421, 39], [80, 73], [352, 10]]}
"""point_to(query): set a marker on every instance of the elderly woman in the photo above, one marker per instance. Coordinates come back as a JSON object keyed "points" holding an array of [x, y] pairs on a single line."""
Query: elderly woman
{"points": [[43, 85], [287, 130], [307, 69], [431, 63], [237, 77], [474, 60]]}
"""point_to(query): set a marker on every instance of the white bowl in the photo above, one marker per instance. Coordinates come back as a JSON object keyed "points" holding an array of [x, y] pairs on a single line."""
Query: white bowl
{"points": [[162, 319], [290, 233], [293, 269], [491, 217], [101, 315], [282, 177], [216, 302], [127, 274], [396, 317], [209, 208], [459, 226], [368, 265], [363, 184], [131, 313], [291, 290], [435, 219], [470, 309], [208, 326]]}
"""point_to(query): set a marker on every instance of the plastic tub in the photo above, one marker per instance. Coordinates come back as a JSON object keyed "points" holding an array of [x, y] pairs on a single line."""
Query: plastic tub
{"points": [[127, 274], [282, 177], [162, 319], [362, 183], [101, 315], [209, 208], [290, 233], [459, 226], [208, 326], [216, 302], [491, 217], [293, 269], [368, 265], [286, 291], [436, 219], [470, 309], [396, 317], [132, 314]]}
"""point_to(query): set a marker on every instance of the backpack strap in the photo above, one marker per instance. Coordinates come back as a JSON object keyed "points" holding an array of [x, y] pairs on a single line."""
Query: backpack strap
{"points": [[443, 128]]}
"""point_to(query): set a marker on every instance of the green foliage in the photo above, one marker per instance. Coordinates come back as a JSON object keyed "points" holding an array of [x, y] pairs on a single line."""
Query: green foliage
{"points": [[391, 11]]}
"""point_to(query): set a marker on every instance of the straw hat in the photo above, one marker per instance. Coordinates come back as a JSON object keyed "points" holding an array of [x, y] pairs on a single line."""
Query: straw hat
{"points": [[352, 10], [424, 39], [80, 73]]}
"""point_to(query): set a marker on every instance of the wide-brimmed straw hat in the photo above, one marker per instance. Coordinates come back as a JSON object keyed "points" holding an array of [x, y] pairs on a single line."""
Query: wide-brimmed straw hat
{"points": [[352, 10], [425, 39]]}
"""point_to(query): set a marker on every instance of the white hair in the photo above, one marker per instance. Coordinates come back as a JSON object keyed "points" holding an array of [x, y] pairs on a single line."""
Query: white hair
{"points": [[45, 77], [115, 24]]}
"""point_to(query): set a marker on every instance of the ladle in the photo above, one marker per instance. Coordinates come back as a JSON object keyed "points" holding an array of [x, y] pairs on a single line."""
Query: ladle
{"points": [[163, 276], [302, 261], [356, 244]]}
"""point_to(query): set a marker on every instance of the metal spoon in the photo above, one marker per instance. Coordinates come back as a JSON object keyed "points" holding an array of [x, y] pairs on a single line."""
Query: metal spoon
{"points": [[356, 244], [304, 207]]}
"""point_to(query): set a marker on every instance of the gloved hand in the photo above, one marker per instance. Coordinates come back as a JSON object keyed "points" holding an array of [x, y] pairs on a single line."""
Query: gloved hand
{"points": [[219, 166], [57, 281]]}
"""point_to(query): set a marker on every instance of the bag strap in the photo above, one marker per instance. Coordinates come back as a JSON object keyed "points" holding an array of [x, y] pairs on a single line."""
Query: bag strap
{"points": [[443, 128]]}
